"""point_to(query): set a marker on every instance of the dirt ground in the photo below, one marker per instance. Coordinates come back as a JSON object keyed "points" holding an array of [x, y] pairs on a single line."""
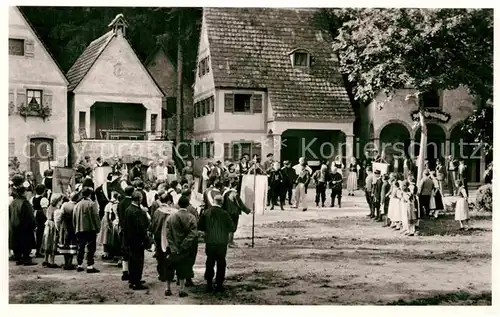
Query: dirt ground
{"points": [[318, 257]]}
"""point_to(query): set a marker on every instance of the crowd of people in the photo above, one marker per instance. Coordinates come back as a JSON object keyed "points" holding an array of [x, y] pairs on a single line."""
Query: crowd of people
{"points": [[128, 214]]}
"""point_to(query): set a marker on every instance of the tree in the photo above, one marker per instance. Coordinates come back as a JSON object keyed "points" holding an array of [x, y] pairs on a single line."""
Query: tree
{"points": [[424, 49]]}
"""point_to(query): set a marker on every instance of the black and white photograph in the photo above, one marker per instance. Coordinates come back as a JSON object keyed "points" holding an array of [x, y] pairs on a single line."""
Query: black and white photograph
{"points": [[217, 155]]}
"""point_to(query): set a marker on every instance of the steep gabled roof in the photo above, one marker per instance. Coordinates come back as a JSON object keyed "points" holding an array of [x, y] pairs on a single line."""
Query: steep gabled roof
{"points": [[250, 49], [85, 62], [18, 9]]}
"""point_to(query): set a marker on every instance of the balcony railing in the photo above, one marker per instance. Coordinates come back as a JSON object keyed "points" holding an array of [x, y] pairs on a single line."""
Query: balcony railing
{"points": [[130, 135]]}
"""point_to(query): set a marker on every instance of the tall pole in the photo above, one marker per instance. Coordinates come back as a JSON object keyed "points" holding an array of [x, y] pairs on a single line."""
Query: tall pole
{"points": [[254, 199]]}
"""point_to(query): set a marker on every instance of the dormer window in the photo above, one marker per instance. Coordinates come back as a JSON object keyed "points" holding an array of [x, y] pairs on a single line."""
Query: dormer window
{"points": [[300, 58], [430, 99]]}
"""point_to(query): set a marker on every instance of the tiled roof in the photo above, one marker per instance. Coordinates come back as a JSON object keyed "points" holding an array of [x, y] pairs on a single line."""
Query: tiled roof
{"points": [[83, 64], [250, 49]]}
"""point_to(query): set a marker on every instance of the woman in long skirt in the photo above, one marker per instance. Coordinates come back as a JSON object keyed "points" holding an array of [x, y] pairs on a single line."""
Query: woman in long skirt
{"points": [[50, 238], [393, 211], [403, 208], [462, 206], [408, 208], [436, 204], [352, 178], [67, 245], [106, 236]]}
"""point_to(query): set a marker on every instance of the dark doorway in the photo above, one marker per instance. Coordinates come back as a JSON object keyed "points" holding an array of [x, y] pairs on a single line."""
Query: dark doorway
{"points": [[436, 138], [395, 141]]}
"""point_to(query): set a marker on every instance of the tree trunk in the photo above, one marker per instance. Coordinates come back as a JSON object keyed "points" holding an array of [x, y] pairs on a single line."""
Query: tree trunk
{"points": [[179, 110], [423, 147]]}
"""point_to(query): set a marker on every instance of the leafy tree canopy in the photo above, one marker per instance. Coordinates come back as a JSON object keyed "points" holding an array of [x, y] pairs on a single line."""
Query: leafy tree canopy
{"points": [[389, 49]]}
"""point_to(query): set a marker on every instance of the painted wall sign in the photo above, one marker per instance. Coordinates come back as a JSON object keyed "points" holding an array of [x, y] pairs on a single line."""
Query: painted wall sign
{"points": [[432, 114]]}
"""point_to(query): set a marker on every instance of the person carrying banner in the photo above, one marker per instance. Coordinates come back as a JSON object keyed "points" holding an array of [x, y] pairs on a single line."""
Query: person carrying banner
{"points": [[377, 195], [217, 225], [233, 204], [21, 224]]}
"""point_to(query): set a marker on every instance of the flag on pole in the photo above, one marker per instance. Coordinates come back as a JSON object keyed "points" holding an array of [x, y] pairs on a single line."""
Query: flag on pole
{"points": [[248, 196], [63, 180]]}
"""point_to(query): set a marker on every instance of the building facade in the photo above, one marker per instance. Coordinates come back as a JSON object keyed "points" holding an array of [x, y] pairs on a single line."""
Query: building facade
{"points": [[267, 82], [391, 127], [115, 105], [163, 68], [37, 99]]}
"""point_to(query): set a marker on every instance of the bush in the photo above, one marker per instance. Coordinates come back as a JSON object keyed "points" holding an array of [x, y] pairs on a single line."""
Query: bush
{"points": [[484, 200]]}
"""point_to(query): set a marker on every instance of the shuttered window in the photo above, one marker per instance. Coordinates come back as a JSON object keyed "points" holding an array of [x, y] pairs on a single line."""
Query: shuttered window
{"points": [[227, 151], [29, 48], [257, 103], [228, 102], [212, 104], [21, 97], [16, 47]]}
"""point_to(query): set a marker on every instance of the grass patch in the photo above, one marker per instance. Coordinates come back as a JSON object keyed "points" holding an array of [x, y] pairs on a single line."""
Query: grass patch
{"points": [[456, 298]]}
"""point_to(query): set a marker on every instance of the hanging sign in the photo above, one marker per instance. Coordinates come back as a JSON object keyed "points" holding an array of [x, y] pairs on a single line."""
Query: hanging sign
{"points": [[432, 114]]}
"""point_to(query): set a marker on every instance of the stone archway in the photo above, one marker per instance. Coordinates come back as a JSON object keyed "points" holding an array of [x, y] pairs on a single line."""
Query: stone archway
{"points": [[463, 147], [436, 143], [394, 142]]}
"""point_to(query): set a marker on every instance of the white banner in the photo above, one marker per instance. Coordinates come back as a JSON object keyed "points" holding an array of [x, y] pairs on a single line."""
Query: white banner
{"points": [[248, 196], [382, 167], [44, 165], [100, 175]]}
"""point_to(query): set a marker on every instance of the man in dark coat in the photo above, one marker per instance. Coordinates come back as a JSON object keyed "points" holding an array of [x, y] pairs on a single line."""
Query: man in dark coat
{"points": [[135, 226], [289, 177], [234, 206], [135, 172], [276, 186], [103, 192], [377, 195], [385, 197], [217, 225], [21, 224], [336, 185], [39, 202], [122, 208]]}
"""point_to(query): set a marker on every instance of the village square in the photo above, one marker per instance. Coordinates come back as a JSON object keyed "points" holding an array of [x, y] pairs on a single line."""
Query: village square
{"points": [[268, 156]]}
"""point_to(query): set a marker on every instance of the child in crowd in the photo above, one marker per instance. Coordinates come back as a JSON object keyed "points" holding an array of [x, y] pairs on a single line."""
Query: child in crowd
{"points": [[462, 206]]}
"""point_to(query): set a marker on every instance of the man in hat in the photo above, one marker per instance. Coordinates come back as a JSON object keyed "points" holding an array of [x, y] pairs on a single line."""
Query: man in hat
{"points": [[268, 164], [135, 171], [21, 224], [135, 227], [289, 176], [217, 225], [377, 195]]}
